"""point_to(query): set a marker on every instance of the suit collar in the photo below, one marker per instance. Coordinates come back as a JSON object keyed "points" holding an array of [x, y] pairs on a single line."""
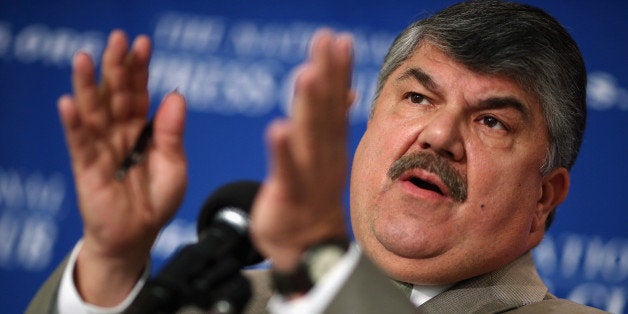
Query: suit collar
{"points": [[512, 286]]}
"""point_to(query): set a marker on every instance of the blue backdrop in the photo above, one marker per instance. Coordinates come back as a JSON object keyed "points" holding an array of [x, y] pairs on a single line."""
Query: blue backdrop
{"points": [[233, 61]]}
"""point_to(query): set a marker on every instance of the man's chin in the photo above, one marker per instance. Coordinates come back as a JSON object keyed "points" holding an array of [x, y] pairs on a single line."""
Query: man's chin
{"points": [[404, 251]]}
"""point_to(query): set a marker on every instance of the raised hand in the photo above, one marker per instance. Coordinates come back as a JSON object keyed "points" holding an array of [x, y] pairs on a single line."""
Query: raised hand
{"points": [[300, 203], [121, 216]]}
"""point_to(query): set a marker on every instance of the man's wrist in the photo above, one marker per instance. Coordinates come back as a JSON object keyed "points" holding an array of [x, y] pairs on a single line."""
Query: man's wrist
{"points": [[70, 301], [106, 280]]}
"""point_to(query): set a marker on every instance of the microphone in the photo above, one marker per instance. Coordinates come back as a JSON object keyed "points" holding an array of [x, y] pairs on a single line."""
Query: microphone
{"points": [[207, 273], [227, 210]]}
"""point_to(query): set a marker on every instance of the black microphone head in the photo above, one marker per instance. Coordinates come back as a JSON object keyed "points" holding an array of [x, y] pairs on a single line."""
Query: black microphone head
{"points": [[232, 198]]}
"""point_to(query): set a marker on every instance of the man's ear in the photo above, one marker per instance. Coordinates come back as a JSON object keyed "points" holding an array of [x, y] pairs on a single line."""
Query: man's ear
{"points": [[554, 190]]}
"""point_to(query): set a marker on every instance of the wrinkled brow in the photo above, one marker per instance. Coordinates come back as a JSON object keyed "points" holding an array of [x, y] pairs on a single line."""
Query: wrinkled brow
{"points": [[420, 76], [505, 103]]}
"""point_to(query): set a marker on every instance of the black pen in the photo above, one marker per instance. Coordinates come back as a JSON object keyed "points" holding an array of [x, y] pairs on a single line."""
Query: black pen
{"points": [[137, 154]]}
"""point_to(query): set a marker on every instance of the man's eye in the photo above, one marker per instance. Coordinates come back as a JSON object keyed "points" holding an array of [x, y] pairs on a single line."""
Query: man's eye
{"points": [[416, 98], [493, 123]]}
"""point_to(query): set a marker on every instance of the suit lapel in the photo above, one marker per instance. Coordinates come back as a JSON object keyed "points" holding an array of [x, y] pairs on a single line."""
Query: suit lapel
{"points": [[513, 286]]}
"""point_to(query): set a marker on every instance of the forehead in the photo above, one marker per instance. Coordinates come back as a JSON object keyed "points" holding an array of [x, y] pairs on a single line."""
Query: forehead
{"points": [[452, 82], [429, 66]]}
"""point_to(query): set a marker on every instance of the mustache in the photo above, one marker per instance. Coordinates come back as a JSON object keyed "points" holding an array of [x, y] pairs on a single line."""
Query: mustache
{"points": [[451, 177]]}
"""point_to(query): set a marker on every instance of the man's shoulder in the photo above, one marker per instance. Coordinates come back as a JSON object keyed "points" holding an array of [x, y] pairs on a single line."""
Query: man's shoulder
{"points": [[555, 305]]}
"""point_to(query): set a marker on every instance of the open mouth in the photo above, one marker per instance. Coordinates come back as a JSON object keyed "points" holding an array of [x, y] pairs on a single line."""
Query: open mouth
{"points": [[426, 185]]}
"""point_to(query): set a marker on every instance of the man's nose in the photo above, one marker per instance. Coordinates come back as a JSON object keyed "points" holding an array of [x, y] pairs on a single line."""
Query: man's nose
{"points": [[442, 134]]}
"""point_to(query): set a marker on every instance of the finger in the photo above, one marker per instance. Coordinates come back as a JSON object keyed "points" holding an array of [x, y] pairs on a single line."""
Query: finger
{"points": [[311, 87], [114, 88], [127, 82], [166, 157], [137, 62], [321, 100], [169, 125], [283, 169], [324, 91], [310, 105], [68, 114], [90, 112], [114, 76], [343, 64], [332, 55], [77, 139]]}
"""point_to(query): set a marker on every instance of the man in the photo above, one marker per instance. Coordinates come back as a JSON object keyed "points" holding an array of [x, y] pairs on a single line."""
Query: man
{"points": [[478, 117]]}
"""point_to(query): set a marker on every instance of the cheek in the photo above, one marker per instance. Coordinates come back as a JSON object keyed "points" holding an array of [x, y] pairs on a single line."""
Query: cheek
{"points": [[374, 154], [503, 173], [371, 161], [503, 195], [383, 142]]}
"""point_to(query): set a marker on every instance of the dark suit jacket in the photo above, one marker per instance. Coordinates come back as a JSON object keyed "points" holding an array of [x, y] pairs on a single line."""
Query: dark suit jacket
{"points": [[515, 288]]}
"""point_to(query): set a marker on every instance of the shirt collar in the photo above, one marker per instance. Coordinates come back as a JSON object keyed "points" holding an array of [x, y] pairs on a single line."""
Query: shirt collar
{"points": [[423, 293]]}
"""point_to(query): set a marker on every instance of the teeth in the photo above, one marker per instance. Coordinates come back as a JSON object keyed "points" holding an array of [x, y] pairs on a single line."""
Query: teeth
{"points": [[426, 185]]}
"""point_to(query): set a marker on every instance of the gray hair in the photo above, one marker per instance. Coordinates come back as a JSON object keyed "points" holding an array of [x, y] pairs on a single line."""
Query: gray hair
{"points": [[517, 41]]}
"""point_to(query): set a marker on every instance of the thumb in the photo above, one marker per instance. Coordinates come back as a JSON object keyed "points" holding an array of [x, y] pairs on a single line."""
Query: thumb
{"points": [[169, 123]]}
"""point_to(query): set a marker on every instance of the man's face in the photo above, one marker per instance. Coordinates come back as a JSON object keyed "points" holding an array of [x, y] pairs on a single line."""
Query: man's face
{"points": [[478, 199]]}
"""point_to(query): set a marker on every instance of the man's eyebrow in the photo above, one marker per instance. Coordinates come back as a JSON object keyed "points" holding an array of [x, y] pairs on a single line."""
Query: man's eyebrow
{"points": [[490, 103], [422, 77], [505, 102]]}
